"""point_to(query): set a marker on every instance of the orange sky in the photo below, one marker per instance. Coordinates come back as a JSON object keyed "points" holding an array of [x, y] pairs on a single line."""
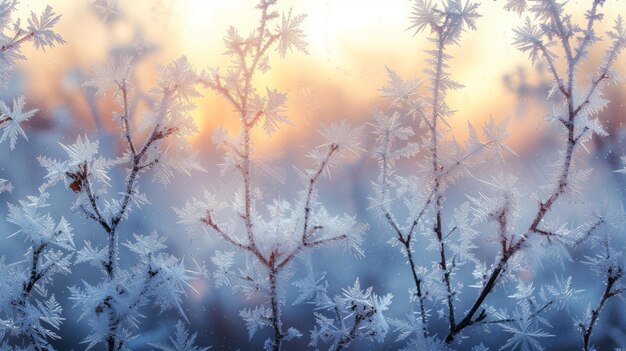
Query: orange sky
{"points": [[351, 41]]}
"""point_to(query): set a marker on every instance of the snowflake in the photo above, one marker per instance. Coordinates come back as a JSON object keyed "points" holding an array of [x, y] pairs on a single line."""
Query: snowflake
{"points": [[291, 35], [10, 120], [182, 341]]}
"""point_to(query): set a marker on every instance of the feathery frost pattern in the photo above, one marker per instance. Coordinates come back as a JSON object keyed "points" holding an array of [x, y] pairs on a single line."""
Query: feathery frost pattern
{"points": [[270, 233], [112, 307], [414, 127], [30, 315], [13, 36], [496, 240]]}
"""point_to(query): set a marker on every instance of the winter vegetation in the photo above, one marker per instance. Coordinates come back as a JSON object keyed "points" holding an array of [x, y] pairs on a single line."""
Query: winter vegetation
{"points": [[271, 233], [112, 306], [548, 34], [134, 230], [30, 315]]}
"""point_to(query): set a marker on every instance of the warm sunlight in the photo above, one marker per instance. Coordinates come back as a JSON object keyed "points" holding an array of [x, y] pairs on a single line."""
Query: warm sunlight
{"points": [[350, 43]]}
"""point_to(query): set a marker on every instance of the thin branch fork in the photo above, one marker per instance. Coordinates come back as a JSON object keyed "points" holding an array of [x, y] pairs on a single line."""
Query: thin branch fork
{"points": [[35, 275], [307, 230], [311, 186], [508, 252], [97, 214], [208, 220], [595, 83], [353, 334], [110, 228], [592, 16], [406, 241], [436, 169], [613, 276]]}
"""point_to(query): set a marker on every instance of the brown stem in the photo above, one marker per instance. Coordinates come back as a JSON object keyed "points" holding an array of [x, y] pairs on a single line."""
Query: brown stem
{"points": [[418, 287], [17, 42], [436, 172], [612, 278], [35, 274], [353, 333], [126, 121], [276, 322], [505, 255]]}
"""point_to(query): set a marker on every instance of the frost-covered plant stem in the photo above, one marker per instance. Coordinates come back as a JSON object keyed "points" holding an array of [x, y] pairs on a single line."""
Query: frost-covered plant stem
{"points": [[247, 125], [17, 41], [569, 122], [609, 265], [112, 306], [34, 276], [356, 314], [447, 160], [609, 292], [29, 317], [443, 265], [405, 238], [270, 245], [40, 31], [277, 324], [110, 225], [278, 261], [29, 321], [359, 318]]}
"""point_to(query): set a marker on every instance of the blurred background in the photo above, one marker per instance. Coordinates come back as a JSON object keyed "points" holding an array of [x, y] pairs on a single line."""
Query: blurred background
{"points": [[350, 43]]}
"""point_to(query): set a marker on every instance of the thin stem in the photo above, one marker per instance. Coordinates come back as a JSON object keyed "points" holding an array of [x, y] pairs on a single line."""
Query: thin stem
{"points": [[208, 220], [275, 305], [35, 275], [110, 225], [309, 193], [545, 207], [592, 16], [17, 42], [612, 278], [126, 121], [436, 172], [511, 320], [353, 333], [418, 289], [97, 214]]}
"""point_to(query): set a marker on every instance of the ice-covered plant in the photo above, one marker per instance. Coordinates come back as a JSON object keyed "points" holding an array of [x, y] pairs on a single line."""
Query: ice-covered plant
{"points": [[182, 341], [415, 127], [112, 306], [270, 233], [13, 35], [354, 315], [29, 314], [607, 264]]}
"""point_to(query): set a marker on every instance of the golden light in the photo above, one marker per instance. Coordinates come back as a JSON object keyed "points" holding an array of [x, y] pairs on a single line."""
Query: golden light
{"points": [[350, 43]]}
